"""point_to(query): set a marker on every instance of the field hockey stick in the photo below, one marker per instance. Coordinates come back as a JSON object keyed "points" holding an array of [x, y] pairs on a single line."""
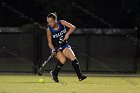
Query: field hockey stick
{"points": [[40, 72]]}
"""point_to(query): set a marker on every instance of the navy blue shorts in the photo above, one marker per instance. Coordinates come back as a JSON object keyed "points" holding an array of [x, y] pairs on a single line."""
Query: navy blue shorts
{"points": [[62, 47]]}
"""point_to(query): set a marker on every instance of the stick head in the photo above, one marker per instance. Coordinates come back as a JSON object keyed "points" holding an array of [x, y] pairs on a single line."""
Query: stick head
{"points": [[40, 72]]}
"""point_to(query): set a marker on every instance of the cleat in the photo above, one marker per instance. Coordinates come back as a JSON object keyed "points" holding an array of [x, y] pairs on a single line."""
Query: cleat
{"points": [[54, 77], [82, 77]]}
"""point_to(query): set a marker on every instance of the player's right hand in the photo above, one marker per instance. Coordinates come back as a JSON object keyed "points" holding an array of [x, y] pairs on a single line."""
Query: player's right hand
{"points": [[54, 52]]}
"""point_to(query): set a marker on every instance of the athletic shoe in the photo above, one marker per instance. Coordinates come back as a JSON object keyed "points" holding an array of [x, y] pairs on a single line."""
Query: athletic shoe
{"points": [[54, 77], [82, 77]]}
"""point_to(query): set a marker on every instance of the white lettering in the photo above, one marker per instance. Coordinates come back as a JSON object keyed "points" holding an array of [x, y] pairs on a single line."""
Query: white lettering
{"points": [[59, 34]]}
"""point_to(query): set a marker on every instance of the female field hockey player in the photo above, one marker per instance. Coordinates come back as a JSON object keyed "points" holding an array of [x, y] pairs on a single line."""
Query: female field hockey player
{"points": [[56, 34]]}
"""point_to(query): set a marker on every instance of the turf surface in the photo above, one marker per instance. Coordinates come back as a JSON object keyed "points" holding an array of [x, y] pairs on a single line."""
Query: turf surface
{"points": [[68, 84]]}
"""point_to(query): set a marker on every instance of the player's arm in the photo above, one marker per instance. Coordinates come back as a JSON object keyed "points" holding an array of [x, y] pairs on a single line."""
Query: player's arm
{"points": [[49, 37], [70, 26]]}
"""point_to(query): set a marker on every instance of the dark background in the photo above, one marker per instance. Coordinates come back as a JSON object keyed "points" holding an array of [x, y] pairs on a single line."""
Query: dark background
{"points": [[121, 13]]}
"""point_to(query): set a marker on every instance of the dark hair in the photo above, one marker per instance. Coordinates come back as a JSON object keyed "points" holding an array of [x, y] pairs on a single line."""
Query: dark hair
{"points": [[53, 15]]}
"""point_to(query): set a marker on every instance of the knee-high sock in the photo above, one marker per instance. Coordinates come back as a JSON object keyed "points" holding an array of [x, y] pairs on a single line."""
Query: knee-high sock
{"points": [[76, 67], [58, 67]]}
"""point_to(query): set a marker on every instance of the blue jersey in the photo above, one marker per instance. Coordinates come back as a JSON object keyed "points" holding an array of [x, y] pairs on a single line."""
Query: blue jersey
{"points": [[58, 35]]}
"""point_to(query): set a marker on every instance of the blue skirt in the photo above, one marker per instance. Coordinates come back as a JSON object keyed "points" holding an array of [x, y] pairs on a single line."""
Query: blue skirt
{"points": [[62, 47]]}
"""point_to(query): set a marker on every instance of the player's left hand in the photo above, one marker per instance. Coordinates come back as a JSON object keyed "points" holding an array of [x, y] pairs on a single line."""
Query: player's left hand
{"points": [[66, 37]]}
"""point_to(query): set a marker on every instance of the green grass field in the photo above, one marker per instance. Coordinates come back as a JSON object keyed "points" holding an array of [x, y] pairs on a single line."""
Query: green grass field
{"points": [[68, 84]]}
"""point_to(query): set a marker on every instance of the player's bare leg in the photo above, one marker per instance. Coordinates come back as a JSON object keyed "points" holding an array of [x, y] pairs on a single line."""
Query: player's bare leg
{"points": [[70, 55], [61, 60]]}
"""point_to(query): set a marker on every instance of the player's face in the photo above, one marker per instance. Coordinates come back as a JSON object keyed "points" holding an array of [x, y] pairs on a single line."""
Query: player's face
{"points": [[51, 21]]}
